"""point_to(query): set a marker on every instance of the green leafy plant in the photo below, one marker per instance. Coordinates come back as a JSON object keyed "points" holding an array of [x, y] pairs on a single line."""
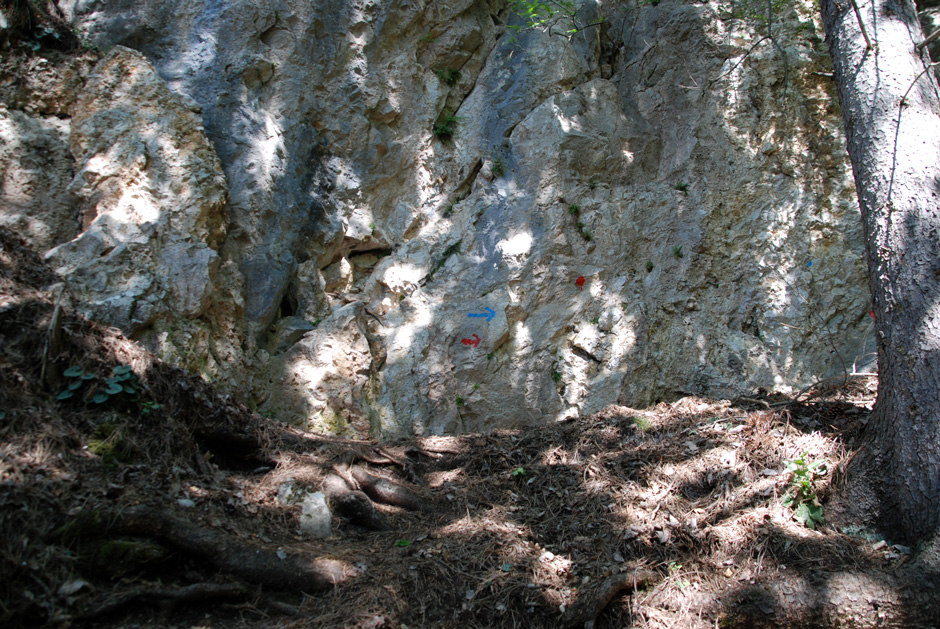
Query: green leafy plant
{"points": [[403, 543], [459, 401], [476, 386], [519, 471], [574, 209], [596, 320], [682, 187], [556, 376], [490, 356], [149, 407], [445, 129], [586, 235], [675, 569], [592, 183], [499, 168], [801, 495], [448, 76], [448, 211], [122, 380], [649, 266], [677, 251]]}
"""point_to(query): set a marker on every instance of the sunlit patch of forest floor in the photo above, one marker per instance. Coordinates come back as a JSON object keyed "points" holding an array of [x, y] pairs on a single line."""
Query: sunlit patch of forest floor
{"points": [[165, 506]]}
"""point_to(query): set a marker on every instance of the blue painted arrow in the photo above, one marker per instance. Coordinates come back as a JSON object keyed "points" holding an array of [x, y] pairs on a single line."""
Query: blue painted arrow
{"points": [[488, 315]]}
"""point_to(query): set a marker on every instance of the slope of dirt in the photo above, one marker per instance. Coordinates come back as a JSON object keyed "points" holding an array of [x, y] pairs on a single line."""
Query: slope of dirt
{"points": [[158, 506]]}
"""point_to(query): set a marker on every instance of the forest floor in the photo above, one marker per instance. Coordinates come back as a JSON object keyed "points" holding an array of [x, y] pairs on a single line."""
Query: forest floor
{"points": [[168, 505]]}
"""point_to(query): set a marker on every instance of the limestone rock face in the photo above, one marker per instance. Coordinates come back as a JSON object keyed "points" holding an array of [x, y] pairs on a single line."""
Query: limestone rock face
{"points": [[415, 189], [150, 196], [35, 171]]}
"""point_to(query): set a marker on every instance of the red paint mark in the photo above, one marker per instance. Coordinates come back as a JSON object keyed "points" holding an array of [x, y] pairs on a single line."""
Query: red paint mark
{"points": [[472, 342], [871, 313], [580, 282]]}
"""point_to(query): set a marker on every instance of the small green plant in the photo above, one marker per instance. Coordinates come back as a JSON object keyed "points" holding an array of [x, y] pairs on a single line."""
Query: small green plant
{"points": [[556, 376], [649, 266], [519, 471], [499, 168], [426, 38], [267, 413], [682, 186], [490, 356], [592, 183], [586, 235], [574, 209], [403, 543], [448, 211], [476, 386], [640, 422], [459, 400], [448, 76], [677, 251], [372, 227], [122, 380], [149, 407], [445, 129], [801, 496], [595, 320], [675, 569]]}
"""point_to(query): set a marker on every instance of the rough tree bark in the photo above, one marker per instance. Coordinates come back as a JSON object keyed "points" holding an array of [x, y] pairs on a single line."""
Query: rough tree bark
{"points": [[891, 108]]}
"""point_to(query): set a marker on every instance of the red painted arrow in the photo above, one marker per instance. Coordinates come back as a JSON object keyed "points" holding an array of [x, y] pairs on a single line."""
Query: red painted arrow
{"points": [[472, 342]]}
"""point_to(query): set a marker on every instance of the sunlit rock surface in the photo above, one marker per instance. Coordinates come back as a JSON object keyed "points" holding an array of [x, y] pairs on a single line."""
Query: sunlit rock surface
{"points": [[697, 182]]}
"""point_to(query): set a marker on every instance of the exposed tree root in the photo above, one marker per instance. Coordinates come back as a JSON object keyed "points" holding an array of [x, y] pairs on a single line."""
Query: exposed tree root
{"points": [[590, 605], [385, 491], [352, 504], [247, 560]]}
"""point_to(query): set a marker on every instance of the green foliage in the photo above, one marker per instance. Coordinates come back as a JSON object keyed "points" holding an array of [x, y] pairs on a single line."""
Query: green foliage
{"points": [[640, 422], [682, 186], [755, 11], [149, 407], [402, 543], [476, 386], [677, 251], [596, 320], [490, 356], [574, 209], [448, 211], [592, 183], [519, 471], [546, 15], [459, 401], [586, 235], [649, 266], [445, 129], [801, 496], [122, 381], [556, 376], [499, 168], [448, 252], [448, 76]]}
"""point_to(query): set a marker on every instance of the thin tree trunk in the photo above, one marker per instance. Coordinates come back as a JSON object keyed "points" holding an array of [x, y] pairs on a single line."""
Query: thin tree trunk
{"points": [[895, 153]]}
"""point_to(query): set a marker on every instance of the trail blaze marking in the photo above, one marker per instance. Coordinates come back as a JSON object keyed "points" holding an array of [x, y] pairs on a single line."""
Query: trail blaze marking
{"points": [[488, 315], [472, 342], [580, 282]]}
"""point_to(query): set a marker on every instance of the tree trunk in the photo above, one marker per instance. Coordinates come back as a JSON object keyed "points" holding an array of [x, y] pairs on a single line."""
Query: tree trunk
{"points": [[895, 153]]}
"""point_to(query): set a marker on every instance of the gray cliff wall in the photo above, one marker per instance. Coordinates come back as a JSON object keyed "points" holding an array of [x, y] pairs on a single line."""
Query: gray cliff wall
{"points": [[696, 181]]}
